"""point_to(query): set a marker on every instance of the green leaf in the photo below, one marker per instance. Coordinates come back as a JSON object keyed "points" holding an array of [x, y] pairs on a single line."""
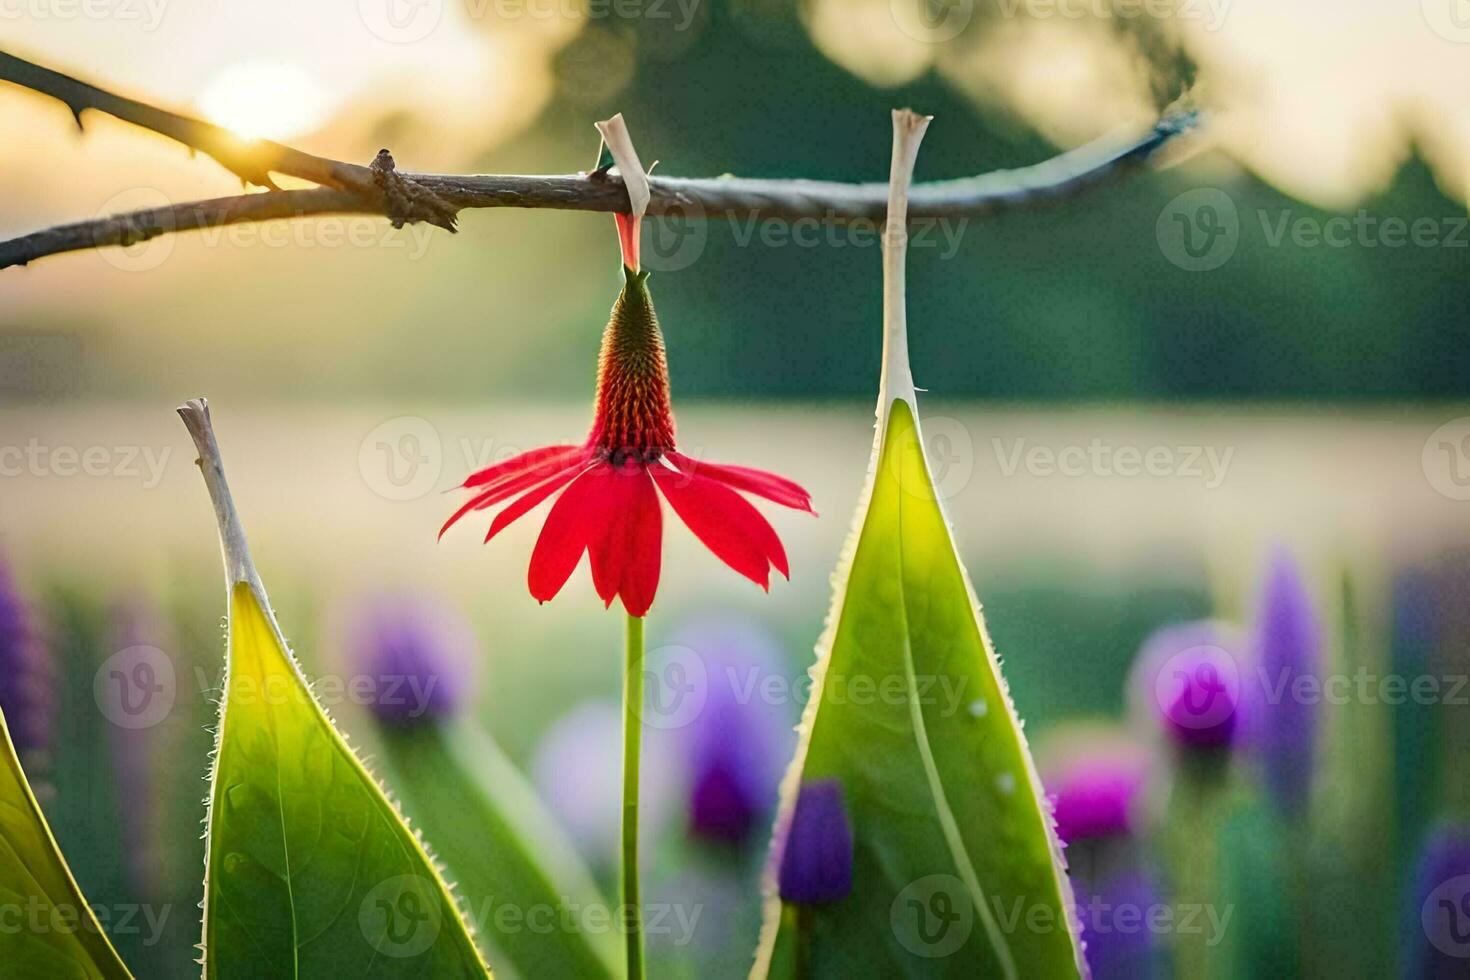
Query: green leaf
{"points": [[309, 869], [956, 870], [49, 929], [512, 866]]}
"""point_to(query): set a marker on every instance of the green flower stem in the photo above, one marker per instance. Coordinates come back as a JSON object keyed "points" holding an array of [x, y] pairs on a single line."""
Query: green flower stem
{"points": [[804, 917], [632, 743]]}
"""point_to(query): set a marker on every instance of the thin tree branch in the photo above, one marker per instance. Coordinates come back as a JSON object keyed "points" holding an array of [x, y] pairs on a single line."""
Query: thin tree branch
{"points": [[250, 160], [139, 226], [436, 198]]}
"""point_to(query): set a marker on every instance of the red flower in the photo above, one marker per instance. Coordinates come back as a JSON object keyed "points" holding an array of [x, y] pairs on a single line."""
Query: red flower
{"points": [[610, 485]]}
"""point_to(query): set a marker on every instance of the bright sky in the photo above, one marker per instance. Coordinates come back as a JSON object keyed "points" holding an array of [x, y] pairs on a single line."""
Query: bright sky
{"points": [[1316, 90]]}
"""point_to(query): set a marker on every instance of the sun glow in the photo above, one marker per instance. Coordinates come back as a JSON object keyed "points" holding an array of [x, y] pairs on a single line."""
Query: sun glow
{"points": [[264, 99]]}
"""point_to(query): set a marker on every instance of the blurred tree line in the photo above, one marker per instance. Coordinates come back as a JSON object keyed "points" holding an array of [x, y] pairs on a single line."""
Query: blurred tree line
{"points": [[1080, 301]]}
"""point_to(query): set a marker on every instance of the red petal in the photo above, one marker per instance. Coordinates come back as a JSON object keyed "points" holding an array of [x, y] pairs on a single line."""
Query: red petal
{"points": [[505, 487], [627, 553], [759, 482], [527, 502], [608, 550], [628, 239], [646, 549], [573, 523], [725, 521], [516, 465]]}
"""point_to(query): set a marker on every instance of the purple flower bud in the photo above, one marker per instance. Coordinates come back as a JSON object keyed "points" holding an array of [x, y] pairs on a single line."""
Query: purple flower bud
{"points": [[738, 743], [1288, 646], [419, 656], [1189, 678], [1119, 943], [27, 674], [816, 847], [1094, 778], [1441, 905]]}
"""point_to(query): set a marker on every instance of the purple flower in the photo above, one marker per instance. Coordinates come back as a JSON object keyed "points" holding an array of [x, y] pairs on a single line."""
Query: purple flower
{"points": [[1441, 905], [1188, 677], [1288, 646], [27, 675], [415, 656], [1115, 914], [816, 846], [1094, 778], [737, 744], [578, 770]]}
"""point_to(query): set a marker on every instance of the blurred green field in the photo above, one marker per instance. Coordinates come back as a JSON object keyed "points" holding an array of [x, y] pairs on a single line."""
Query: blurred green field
{"points": [[1074, 572]]}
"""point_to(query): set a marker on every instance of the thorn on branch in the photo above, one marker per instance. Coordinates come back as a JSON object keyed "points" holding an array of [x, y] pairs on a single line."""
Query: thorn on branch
{"points": [[406, 201], [249, 175]]}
